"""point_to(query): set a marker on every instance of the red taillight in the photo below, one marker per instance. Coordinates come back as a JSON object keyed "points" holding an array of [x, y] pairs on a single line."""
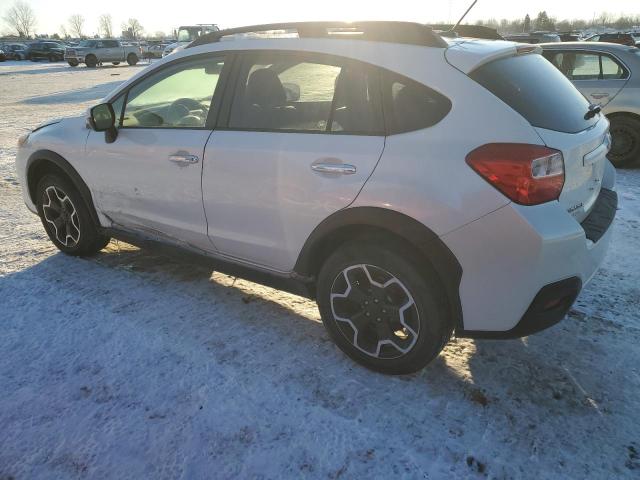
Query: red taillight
{"points": [[526, 174]]}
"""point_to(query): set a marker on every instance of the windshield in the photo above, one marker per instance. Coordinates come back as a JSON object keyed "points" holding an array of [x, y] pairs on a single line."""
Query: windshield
{"points": [[538, 91], [87, 43]]}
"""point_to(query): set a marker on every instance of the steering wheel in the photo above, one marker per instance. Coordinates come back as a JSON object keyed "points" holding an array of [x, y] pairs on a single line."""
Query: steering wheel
{"points": [[182, 108]]}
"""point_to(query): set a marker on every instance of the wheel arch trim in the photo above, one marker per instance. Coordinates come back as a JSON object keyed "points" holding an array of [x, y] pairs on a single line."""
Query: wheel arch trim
{"points": [[41, 158], [423, 239]]}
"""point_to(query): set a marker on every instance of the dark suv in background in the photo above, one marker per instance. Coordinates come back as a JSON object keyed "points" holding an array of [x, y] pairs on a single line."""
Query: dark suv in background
{"points": [[51, 51], [621, 38]]}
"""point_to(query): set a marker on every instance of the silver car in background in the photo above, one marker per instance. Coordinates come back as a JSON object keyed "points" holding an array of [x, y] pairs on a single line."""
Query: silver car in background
{"points": [[607, 74]]}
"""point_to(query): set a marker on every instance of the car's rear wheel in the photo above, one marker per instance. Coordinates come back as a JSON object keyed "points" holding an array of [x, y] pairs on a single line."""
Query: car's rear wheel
{"points": [[132, 59], [384, 309], [91, 61], [52, 58], [66, 218], [625, 146], [115, 63]]}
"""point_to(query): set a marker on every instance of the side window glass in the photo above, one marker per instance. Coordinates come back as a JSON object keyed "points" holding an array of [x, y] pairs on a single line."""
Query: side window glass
{"points": [[582, 66], [280, 92], [410, 105], [612, 70], [555, 58], [357, 106], [178, 96], [291, 93]]}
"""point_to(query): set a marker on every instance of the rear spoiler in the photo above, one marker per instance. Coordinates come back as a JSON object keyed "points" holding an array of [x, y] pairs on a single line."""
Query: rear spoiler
{"points": [[471, 31], [468, 56]]}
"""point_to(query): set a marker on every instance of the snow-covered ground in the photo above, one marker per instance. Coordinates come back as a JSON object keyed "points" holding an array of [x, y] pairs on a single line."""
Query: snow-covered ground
{"points": [[131, 365]]}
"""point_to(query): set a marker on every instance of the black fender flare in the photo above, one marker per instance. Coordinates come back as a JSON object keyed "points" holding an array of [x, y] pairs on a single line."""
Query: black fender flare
{"points": [[343, 224], [43, 160]]}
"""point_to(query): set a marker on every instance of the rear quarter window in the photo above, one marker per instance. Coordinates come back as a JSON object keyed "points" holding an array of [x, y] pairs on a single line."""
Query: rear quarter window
{"points": [[410, 106], [538, 91]]}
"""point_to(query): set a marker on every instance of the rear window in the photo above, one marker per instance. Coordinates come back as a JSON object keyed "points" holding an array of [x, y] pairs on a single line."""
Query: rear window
{"points": [[538, 91]]}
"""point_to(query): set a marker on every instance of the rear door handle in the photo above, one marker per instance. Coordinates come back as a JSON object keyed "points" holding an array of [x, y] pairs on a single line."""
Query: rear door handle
{"points": [[184, 159], [336, 168]]}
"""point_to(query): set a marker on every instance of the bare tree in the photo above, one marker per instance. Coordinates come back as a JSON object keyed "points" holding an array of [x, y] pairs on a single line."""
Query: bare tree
{"points": [[21, 18], [63, 31], [76, 24], [105, 25], [133, 27]]}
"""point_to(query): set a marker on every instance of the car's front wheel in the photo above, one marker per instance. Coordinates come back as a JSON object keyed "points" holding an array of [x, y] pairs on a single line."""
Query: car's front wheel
{"points": [[66, 218], [132, 59], [73, 63], [384, 309], [625, 135]]}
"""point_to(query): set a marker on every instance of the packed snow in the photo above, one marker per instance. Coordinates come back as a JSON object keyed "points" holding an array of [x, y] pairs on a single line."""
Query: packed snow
{"points": [[131, 365]]}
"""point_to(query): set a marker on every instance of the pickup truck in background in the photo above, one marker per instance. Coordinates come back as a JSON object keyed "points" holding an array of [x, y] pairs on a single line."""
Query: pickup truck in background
{"points": [[95, 52]]}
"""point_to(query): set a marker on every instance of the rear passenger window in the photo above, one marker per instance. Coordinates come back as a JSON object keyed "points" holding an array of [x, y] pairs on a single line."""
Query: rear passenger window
{"points": [[586, 65], [410, 105], [612, 70], [306, 93]]}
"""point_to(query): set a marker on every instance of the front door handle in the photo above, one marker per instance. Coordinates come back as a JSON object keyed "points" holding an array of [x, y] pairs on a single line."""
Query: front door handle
{"points": [[336, 168], [598, 96], [184, 159]]}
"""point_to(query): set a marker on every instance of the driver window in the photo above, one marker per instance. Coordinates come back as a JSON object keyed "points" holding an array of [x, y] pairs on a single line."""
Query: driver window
{"points": [[177, 97]]}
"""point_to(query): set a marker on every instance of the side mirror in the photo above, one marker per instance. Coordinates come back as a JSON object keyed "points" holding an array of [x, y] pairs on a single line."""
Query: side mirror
{"points": [[103, 119], [293, 91]]}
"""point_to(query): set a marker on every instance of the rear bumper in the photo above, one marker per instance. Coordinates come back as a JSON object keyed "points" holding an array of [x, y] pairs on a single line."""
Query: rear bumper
{"points": [[549, 307], [523, 267]]}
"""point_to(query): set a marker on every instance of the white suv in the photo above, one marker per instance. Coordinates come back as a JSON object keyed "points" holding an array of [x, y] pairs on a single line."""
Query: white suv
{"points": [[413, 186]]}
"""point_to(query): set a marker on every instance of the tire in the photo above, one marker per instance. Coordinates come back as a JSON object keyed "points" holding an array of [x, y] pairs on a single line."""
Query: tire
{"points": [[132, 59], [52, 58], [73, 63], [91, 61], [66, 218], [403, 326], [625, 135], [115, 63]]}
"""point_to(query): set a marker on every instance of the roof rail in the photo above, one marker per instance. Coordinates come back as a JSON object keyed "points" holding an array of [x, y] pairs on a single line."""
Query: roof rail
{"points": [[409, 33]]}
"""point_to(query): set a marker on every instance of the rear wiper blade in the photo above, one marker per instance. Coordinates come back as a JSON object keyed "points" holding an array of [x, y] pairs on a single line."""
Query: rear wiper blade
{"points": [[593, 111]]}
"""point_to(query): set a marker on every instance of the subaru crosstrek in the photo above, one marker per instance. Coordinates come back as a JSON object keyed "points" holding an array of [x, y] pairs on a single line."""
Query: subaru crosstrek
{"points": [[413, 186]]}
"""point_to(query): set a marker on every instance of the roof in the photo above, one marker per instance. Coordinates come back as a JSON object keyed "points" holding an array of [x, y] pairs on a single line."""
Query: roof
{"points": [[378, 31]]}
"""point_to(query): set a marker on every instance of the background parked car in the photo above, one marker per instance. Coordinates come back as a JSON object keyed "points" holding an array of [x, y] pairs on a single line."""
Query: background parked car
{"points": [[569, 36], [608, 75], [534, 37], [15, 51], [2, 56], [51, 51], [153, 50], [95, 52], [621, 38]]}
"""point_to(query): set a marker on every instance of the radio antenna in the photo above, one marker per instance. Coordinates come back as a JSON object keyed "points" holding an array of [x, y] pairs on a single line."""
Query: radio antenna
{"points": [[464, 15]]}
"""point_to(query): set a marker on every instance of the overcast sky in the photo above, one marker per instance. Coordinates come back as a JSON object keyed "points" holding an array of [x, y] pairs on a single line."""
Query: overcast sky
{"points": [[165, 15]]}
